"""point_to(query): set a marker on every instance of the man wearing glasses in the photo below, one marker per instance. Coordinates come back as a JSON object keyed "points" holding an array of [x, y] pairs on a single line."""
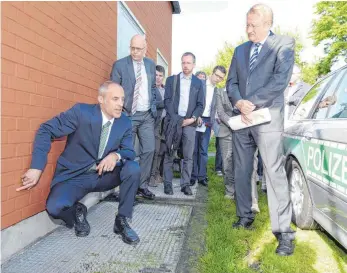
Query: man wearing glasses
{"points": [[136, 74], [259, 73], [203, 134]]}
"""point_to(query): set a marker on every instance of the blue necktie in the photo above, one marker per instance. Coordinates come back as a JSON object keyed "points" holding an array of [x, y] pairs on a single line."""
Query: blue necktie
{"points": [[254, 56]]}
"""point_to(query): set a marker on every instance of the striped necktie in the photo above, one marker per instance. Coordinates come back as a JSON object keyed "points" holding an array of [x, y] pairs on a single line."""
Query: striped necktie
{"points": [[254, 56], [137, 88], [103, 138]]}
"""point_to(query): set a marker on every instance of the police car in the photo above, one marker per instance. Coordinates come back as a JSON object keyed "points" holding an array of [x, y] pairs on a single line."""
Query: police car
{"points": [[315, 144]]}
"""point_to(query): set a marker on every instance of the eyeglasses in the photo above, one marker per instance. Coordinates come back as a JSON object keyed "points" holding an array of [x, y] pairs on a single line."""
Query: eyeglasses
{"points": [[252, 26], [219, 77], [136, 48]]}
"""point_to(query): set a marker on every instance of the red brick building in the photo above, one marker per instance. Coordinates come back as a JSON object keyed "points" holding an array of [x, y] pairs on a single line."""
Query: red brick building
{"points": [[55, 54]]}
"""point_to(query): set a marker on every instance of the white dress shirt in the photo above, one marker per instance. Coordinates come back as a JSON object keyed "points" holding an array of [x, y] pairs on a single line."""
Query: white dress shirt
{"points": [[104, 121], [185, 83], [209, 98], [259, 48], [143, 103]]}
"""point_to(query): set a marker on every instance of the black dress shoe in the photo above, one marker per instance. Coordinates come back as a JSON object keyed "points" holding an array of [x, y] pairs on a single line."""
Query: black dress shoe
{"points": [[82, 227], [245, 223], [168, 189], [203, 182], [146, 193], [285, 247], [192, 182], [114, 197], [186, 190], [122, 228]]}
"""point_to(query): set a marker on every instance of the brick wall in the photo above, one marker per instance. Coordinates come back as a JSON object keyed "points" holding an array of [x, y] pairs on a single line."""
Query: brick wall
{"points": [[55, 54]]}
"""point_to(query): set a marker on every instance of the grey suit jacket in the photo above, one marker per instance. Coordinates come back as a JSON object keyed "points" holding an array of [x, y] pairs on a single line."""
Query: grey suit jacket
{"points": [[225, 112], [123, 73], [296, 97], [265, 84]]}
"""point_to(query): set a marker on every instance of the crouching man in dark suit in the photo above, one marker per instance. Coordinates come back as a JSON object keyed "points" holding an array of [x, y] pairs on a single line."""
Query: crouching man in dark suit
{"points": [[98, 156]]}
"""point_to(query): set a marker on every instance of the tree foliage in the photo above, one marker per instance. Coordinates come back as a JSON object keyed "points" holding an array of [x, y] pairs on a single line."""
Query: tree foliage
{"points": [[224, 56], [331, 30]]}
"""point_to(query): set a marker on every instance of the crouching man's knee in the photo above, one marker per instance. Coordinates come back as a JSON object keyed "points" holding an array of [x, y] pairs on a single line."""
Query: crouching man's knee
{"points": [[130, 170]]}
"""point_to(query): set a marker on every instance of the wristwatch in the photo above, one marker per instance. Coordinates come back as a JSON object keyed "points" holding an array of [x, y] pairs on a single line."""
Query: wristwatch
{"points": [[194, 117]]}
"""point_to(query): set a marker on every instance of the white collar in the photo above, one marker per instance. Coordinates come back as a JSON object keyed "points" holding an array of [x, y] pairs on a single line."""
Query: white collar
{"points": [[136, 62], [263, 41], [208, 82], [105, 119], [183, 76]]}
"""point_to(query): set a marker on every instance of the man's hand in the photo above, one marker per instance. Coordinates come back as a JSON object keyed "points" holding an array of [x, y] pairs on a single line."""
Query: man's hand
{"points": [[245, 106], [30, 179], [246, 119], [108, 163], [199, 121], [187, 122]]}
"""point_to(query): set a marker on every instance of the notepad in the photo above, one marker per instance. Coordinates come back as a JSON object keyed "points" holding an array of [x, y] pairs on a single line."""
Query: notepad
{"points": [[201, 128], [258, 117]]}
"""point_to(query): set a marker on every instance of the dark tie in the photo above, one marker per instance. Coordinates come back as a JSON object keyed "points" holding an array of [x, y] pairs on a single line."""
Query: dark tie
{"points": [[254, 56]]}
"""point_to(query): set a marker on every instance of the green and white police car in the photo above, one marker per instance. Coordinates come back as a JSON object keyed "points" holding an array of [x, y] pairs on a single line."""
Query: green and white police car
{"points": [[315, 145]]}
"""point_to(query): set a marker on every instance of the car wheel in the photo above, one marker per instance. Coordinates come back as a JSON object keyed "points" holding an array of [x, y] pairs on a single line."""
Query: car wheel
{"points": [[301, 200]]}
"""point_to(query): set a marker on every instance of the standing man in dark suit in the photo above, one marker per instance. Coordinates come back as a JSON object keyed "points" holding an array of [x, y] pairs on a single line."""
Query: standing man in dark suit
{"points": [[259, 73], [98, 156], [161, 113], [202, 139], [136, 74], [187, 104]]}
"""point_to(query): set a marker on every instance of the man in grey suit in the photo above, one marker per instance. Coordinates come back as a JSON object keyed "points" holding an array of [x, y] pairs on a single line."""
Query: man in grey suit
{"points": [[259, 73], [224, 133], [136, 74], [295, 91], [186, 104]]}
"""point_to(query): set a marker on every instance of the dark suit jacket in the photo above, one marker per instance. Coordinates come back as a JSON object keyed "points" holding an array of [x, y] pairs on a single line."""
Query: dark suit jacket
{"points": [[123, 73], [265, 84], [82, 126], [196, 97]]}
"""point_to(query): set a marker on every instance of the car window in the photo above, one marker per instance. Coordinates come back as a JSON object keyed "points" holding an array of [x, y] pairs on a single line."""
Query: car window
{"points": [[339, 109], [303, 110], [329, 98]]}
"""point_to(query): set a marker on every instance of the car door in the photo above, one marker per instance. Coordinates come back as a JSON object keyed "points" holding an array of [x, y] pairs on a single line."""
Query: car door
{"points": [[325, 150]]}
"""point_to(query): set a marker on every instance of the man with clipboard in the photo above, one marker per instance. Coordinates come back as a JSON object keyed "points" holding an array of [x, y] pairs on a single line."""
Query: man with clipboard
{"points": [[259, 73]]}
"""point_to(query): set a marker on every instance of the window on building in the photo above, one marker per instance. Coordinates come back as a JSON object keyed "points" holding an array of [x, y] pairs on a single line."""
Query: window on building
{"points": [[161, 61], [127, 27]]}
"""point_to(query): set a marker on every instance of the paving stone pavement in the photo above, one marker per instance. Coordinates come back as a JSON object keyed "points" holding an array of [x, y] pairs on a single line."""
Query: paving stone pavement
{"points": [[161, 228]]}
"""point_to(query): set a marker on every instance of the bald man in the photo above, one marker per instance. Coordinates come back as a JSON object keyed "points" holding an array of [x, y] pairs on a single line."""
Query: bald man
{"points": [[137, 75], [98, 156]]}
